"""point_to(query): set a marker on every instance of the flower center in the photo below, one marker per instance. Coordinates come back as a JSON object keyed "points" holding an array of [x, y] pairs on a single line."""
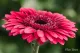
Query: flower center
{"points": [[40, 22]]}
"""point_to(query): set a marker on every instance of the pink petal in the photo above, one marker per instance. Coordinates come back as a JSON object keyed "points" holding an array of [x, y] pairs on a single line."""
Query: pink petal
{"points": [[61, 41], [28, 37], [30, 11], [36, 36], [16, 33], [40, 42], [43, 39], [21, 31], [60, 36], [74, 29], [9, 28], [14, 13], [49, 37], [3, 26], [40, 33], [18, 15], [15, 30], [65, 38], [53, 34], [9, 25], [24, 36], [15, 20], [19, 26], [21, 15], [9, 16], [71, 35], [54, 41], [62, 32], [29, 30]]}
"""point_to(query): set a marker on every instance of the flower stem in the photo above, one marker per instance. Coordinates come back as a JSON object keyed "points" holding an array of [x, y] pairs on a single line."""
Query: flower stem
{"points": [[35, 47]]}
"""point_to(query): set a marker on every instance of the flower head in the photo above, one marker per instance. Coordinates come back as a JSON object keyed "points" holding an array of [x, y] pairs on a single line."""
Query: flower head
{"points": [[39, 25]]}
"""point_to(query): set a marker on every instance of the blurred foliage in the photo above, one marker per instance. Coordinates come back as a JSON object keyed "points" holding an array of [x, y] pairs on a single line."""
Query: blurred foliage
{"points": [[70, 8]]}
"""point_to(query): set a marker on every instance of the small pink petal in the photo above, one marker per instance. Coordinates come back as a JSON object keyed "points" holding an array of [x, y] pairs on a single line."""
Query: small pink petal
{"points": [[49, 37], [11, 23], [54, 41], [21, 31], [21, 15], [9, 16], [30, 38], [9, 28], [71, 34], [40, 42], [8, 25], [29, 11], [29, 30], [60, 36], [15, 20], [36, 36], [43, 39], [63, 32], [24, 36], [53, 34], [14, 30], [15, 34], [65, 38], [40, 33], [61, 41], [74, 29], [3, 26], [19, 26], [14, 13]]}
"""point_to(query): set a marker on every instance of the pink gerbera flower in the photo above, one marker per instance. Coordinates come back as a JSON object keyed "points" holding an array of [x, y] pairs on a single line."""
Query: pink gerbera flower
{"points": [[39, 25]]}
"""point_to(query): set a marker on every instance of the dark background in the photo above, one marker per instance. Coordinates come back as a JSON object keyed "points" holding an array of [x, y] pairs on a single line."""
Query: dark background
{"points": [[70, 8]]}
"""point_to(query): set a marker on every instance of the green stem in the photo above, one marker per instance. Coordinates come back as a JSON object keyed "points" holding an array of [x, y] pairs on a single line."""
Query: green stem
{"points": [[35, 47]]}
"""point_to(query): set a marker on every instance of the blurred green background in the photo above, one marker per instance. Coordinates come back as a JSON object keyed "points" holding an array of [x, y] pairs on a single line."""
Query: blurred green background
{"points": [[70, 8]]}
